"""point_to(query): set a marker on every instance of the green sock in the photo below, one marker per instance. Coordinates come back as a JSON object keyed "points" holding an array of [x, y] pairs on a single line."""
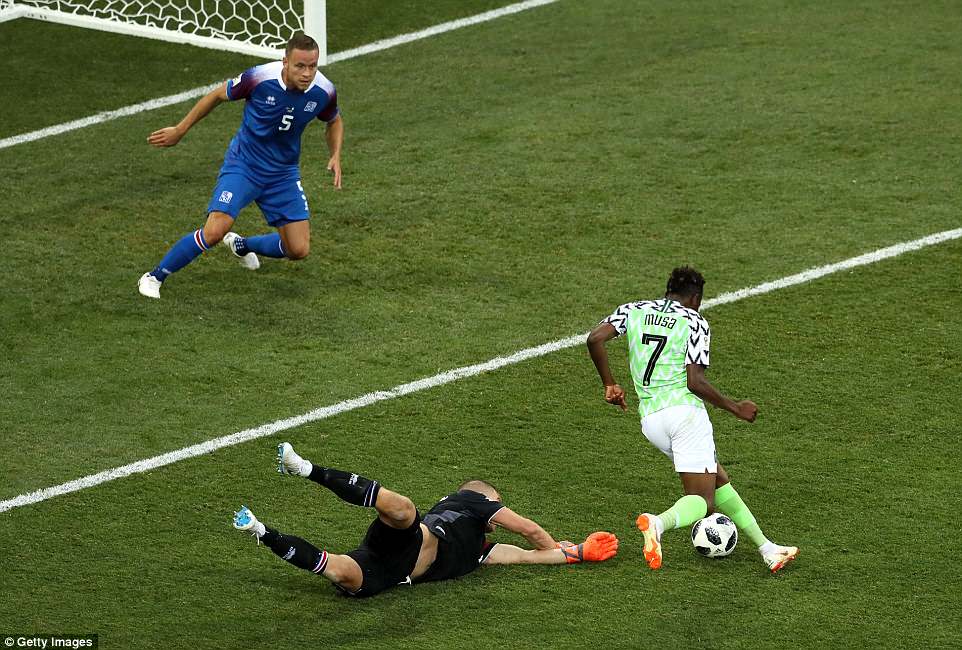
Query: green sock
{"points": [[686, 511], [729, 503]]}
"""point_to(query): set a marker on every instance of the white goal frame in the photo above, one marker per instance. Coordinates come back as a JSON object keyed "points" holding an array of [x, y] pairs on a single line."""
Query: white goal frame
{"points": [[313, 21]]}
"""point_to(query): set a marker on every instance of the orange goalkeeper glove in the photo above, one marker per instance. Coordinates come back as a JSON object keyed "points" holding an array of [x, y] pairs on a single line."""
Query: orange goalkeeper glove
{"points": [[598, 547]]}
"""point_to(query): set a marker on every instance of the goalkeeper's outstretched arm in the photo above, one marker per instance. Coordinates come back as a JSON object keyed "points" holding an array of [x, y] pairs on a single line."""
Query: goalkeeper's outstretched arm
{"points": [[598, 547], [535, 534]]}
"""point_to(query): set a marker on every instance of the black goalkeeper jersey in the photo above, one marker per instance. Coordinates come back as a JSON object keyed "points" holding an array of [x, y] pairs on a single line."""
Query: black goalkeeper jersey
{"points": [[459, 521]]}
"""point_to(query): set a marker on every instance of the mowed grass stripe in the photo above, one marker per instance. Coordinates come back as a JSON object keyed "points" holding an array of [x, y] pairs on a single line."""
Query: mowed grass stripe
{"points": [[446, 378]]}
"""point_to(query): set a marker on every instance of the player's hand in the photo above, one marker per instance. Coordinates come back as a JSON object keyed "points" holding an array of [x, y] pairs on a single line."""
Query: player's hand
{"points": [[598, 547], [166, 137], [615, 394], [334, 165], [746, 410]]}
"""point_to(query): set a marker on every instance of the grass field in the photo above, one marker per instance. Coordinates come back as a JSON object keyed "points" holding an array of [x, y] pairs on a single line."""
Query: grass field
{"points": [[505, 185]]}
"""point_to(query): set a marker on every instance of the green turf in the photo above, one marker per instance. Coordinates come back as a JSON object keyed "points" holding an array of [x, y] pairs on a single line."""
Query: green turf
{"points": [[99, 71], [505, 185], [55, 74], [352, 23]]}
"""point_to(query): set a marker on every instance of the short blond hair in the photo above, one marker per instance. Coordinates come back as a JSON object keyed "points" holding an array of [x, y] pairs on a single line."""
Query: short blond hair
{"points": [[481, 487], [300, 41]]}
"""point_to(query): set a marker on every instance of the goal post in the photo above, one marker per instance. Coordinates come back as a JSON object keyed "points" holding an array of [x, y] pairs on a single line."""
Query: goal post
{"points": [[315, 25], [255, 27]]}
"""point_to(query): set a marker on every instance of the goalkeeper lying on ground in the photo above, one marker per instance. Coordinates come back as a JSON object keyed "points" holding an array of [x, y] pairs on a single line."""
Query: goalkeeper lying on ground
{"points": [[401, 547]]}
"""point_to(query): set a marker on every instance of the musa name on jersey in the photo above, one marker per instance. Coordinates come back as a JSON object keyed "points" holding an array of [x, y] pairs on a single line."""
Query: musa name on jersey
{"points": [[663, 338], [269, 139], [459, 522]]}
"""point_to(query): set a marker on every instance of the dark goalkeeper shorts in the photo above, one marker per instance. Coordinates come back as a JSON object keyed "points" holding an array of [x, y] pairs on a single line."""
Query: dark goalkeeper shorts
{"points": [[387, 556]]}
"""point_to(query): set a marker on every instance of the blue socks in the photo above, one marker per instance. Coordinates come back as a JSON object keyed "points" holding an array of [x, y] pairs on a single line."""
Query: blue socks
{"points": [[181, 254], [266, 245], [190, 246]]}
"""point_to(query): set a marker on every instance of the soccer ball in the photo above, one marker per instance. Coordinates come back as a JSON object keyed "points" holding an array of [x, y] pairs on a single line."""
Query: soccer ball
{"points": [[714, 536]]}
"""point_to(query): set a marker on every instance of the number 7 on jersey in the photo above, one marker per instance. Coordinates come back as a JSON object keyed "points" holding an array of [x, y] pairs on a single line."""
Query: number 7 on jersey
{"points": [[659, 342]]}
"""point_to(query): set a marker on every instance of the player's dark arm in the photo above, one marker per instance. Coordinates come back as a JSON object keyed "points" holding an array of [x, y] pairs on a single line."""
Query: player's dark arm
{"points": [[171, 135], [700, 386], [335, 138], [604, 332]]}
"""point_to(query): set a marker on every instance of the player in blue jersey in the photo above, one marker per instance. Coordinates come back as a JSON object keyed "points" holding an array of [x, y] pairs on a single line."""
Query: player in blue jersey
{"points": [[262, 161]]}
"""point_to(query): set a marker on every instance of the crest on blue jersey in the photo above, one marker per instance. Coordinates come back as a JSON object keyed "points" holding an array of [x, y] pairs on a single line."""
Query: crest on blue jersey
{"points": [[225, 197], [310, 106]]}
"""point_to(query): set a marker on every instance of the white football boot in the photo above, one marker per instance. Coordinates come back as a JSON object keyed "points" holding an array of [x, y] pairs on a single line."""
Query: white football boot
{"points": [[650, 527], [248, 260], [245, 520], [777, 556], [290, 463], [149, 286]]}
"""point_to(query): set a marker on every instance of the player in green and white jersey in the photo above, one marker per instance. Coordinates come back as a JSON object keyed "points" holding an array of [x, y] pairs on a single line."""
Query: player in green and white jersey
{"points": [[668, 350]]}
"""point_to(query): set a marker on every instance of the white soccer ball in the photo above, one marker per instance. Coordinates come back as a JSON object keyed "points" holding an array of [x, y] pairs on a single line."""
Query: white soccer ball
{"points": [[714, 536]]}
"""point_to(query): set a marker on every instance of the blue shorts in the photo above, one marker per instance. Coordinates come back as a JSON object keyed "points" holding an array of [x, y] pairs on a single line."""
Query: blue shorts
{"points": [[281, 202]]}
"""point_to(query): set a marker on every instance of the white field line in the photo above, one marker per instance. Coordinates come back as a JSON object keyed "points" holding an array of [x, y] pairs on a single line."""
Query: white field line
{"points": [[106, 116], [445, 378], [377, 46]]}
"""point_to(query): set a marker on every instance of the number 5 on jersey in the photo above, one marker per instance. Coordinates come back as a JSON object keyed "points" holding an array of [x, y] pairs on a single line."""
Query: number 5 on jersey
{"points": [[286, 122]]}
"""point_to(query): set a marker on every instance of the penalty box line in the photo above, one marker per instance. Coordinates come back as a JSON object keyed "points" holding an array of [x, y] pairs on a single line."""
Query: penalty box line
{"points": [[448, 377], [370, 48]]}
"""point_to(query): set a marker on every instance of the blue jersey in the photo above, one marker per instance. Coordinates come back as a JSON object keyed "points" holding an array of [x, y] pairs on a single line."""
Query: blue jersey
{"points": [[269, 140]]}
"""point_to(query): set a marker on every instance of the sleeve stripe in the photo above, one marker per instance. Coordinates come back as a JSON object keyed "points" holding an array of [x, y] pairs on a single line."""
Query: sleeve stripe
{"points": [[494, 513], [619, 318]]}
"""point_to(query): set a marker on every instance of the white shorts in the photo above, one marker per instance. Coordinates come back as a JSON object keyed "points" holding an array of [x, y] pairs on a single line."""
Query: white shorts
{"points": [[684, 434]]}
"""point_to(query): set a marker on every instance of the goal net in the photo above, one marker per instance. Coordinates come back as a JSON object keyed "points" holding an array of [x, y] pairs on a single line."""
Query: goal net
{"points": [[257, 27]]}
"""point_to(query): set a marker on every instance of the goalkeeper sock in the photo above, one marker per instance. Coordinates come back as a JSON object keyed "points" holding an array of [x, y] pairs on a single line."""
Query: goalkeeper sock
{"points": [[352, 488], [181, 254], [730, 504], [295, 550], [266, 245], [686, 511]]}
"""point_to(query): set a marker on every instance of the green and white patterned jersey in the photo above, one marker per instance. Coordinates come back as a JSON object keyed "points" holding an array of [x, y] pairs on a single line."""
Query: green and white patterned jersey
{"points": [[663, 338]]}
